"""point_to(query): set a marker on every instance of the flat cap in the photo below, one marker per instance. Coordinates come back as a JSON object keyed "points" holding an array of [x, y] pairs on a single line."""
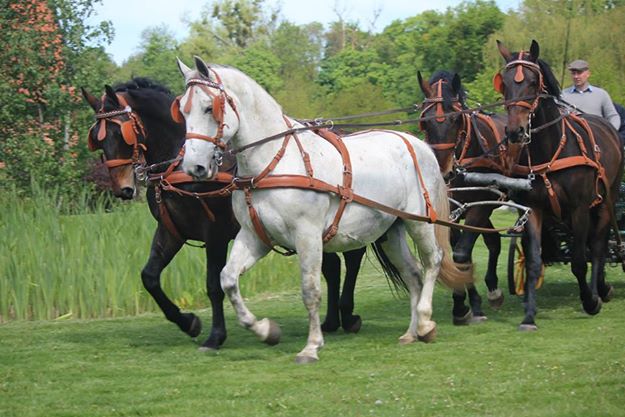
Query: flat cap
{"points": [[578, 65]]}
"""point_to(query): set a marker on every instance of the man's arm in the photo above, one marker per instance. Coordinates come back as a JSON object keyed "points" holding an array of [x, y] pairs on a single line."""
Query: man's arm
{"points": [[609, 112]]}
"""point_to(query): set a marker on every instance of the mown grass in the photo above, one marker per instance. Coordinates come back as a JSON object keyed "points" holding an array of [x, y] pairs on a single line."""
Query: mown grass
{"points": [[144, 366]]}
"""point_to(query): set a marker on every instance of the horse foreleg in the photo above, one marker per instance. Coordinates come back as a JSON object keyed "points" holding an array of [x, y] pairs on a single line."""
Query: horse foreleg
{"points": [[531, 242], [493, 244], [461, 313], [246, 251], [351, 322], [309, 247], [331, 269], [580, 219], [599, 248], [216, 253], [164, 247]]}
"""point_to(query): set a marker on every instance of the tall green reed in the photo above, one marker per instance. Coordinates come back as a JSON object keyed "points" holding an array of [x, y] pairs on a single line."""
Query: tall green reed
{"points": [[88, 264]]}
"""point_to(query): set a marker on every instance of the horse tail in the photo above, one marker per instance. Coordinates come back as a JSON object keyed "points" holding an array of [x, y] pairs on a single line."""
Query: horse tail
{"points": [[452, 274], [390, 271]]}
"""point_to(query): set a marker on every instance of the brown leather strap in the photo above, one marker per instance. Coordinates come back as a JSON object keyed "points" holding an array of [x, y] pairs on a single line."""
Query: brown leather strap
{"points": [[167, 221]]}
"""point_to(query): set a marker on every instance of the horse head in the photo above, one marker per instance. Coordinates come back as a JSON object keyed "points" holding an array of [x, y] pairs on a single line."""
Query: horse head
{"points": [[119, 133], [211, 119], [442, 125]]}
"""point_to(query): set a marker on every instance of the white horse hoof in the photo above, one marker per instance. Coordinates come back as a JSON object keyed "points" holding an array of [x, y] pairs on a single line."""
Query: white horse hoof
{"points": [[270, 331], [305, 359], [429, 337], [527, 327], [407, 339]]}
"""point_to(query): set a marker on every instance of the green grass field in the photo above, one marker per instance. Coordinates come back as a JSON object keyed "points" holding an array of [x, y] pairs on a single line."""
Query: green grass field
{"points": [[142, 365]]}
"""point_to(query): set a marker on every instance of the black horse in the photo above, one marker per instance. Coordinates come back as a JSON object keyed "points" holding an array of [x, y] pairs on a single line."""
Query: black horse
{"points": [[134, 128], [575, 163], [467, 141]]}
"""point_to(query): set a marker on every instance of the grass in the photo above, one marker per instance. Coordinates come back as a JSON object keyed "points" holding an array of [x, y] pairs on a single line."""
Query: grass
{"points": [[143, 366], [89, 265]]}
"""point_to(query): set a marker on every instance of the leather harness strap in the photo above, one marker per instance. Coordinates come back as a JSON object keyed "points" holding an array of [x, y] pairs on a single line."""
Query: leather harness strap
{"points": [[557, 164]]}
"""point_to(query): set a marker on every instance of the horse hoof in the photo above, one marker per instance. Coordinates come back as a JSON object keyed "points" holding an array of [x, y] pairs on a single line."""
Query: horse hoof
{"points": [[463, 321], [329, 327], [406, 339], [608, 295], [593, 309], [354, 327], [527, 327], [429, 337], [495, 299], [207, 349], [477, 319], [304, 359], [273, 337], [196, 327]]}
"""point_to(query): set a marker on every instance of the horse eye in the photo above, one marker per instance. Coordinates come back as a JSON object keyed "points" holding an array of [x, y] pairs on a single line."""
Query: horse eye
{"points": [[208, 110]]}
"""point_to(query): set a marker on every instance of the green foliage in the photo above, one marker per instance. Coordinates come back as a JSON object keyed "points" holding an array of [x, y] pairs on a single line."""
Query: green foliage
{"points": [[260, 63], [156, 59]]}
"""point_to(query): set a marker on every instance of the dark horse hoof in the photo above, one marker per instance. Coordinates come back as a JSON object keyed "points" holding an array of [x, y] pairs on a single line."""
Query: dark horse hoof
{"points": [[527, 327], [609, 294], [329, 326], [273, 338], [352, 325], [593, 308], [464, 320], [214, 341], [495, 299], [195, 328]]}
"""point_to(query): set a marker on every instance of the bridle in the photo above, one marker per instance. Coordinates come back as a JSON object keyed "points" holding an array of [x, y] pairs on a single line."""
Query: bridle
{"points": [[437, 103], [130, 126], [218, 107], [520, 63]]}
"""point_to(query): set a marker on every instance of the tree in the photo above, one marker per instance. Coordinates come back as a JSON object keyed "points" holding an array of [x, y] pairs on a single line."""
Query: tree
{"points": [[39, 71]]}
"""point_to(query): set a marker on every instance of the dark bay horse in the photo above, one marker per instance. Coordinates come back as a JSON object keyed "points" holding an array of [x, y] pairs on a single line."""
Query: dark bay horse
{"points": [[469, 141], [134, 127], [575, 163]]}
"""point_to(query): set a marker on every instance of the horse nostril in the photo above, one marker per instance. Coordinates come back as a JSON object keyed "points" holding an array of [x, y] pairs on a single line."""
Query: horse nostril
{"points": [[127, 193], [199, 171]]}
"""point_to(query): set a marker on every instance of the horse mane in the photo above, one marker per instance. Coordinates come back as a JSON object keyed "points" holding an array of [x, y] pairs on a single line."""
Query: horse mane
{"points": [[551, 83], [448, 77], [148, 96]]}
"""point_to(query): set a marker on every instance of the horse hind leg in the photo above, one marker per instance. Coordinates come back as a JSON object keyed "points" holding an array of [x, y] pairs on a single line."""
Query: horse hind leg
{"points": [[246, 251], [164, 247], [331, 270], [493, 244], [591, 303], [351, 322], [396, 249]]}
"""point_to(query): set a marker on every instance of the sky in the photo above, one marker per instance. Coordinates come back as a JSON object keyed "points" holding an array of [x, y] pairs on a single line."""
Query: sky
{"points": [[138, 15]]}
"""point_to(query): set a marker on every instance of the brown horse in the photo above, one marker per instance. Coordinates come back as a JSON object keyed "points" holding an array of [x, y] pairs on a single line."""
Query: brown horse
{"points": [[134, 127], [466, 141], [575, 163]]}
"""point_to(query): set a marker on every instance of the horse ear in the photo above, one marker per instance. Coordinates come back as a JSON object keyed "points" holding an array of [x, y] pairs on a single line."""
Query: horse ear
{"points": [[201, 66], [498, 83], [184, 70], [93, 102], [534, 51], [504, 51], [425, 87], [456, 84], [111, 95]]}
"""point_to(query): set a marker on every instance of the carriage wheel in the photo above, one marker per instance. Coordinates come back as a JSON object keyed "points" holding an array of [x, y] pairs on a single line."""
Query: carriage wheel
{"points": [[516, 268], [512, 252]]}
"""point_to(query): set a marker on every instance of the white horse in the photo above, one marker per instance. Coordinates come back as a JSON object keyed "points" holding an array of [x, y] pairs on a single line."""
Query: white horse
{"points": [[227, 104]]}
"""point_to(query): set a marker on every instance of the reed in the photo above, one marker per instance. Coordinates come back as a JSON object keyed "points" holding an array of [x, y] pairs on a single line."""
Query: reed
{"points": [[88, 264]]}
